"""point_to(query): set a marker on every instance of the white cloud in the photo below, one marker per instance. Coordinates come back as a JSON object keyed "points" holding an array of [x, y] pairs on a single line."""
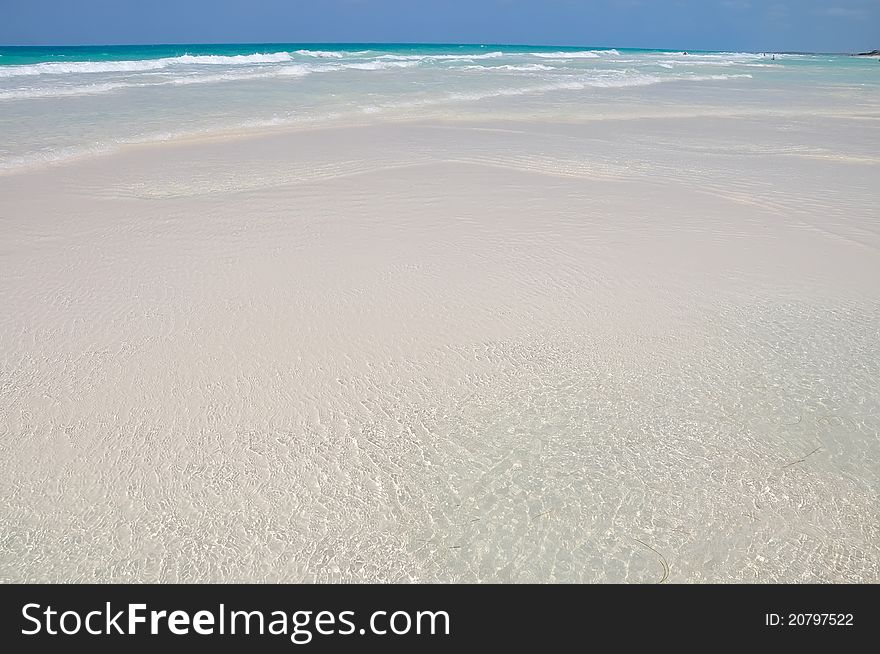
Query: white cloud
{"points": [[841, 12]]}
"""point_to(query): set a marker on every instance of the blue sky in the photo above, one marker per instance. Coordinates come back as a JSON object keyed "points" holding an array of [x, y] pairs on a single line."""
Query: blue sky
{"points": [[815, 25]]}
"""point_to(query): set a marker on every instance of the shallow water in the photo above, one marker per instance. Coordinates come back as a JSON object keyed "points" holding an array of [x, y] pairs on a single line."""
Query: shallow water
{"points": [[60, 103]]}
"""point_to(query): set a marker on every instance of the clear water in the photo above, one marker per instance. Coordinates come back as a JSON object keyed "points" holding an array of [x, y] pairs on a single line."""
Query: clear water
{"points": [[64, 102]]}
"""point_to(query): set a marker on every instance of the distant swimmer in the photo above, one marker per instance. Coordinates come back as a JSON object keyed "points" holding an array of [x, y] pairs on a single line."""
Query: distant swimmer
{"points": [[684, 53]]}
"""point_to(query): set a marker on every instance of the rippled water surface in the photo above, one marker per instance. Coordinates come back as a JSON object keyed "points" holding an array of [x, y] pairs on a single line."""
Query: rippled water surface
{"points": [[66, 102]]}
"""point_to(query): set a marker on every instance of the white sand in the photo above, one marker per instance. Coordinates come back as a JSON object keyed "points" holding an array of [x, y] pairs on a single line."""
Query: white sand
{"points": [[608, 351]]}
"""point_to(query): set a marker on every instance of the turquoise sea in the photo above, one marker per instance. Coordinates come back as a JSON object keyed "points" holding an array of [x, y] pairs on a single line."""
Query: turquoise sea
{"points": [[58, 103]]}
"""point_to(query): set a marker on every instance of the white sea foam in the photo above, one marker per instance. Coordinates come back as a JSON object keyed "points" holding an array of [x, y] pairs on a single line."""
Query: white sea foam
{"points": [[88, 67], [487, 55], [85, 89], [710, 78], [234, 60], [674, 63], [528, 67], [580, 54], [618, 80], [322, 54], [565, 55], [726, 55], [461, 57], [525, 68], [381, 65], [81, 67], [696, 62], [293, 70], [254, 72]]}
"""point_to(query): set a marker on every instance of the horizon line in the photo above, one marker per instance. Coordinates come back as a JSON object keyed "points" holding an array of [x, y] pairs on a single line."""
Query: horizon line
{"points": [[409, 43]]}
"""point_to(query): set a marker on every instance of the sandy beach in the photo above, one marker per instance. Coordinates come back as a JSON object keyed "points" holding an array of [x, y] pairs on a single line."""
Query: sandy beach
{"points": [[638, 347]]}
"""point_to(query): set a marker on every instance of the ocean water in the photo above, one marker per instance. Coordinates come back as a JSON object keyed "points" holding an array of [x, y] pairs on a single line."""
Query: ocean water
{"points": [[66, 102]]}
